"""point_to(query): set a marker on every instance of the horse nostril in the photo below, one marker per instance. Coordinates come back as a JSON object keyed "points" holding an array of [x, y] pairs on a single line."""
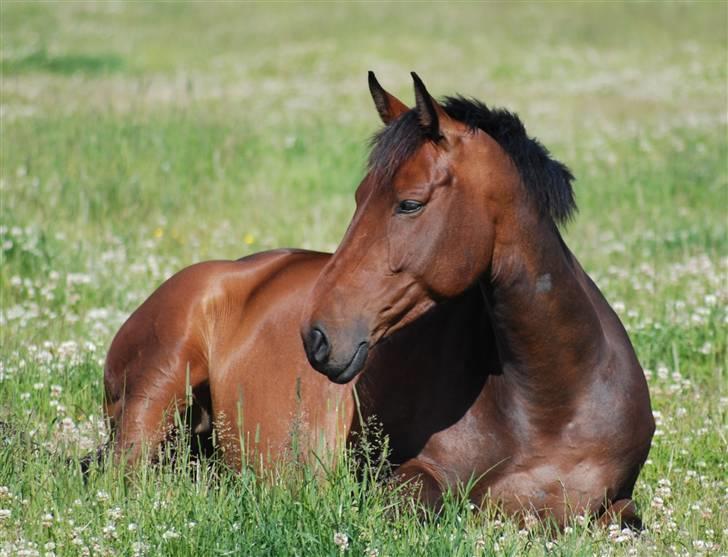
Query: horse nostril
{"points": [[319, 347]]}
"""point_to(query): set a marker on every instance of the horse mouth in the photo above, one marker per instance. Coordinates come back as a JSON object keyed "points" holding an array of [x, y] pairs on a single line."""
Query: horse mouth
{"points": [[354, 367]]}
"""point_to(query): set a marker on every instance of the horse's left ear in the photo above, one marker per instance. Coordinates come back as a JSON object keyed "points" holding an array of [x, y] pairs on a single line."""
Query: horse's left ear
{"points": [[388, 106], [429, 111]]}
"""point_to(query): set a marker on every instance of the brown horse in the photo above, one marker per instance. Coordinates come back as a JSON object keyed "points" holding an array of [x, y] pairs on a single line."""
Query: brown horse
{"points": [[485, 351]]}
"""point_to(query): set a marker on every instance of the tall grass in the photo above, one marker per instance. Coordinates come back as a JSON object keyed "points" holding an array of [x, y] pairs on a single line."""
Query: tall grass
{"points": [[139, 138]]}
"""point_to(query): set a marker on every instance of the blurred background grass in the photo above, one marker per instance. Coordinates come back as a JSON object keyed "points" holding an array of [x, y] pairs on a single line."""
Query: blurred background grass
{"points": [[258, 114], [194, 126], [137, 138]]}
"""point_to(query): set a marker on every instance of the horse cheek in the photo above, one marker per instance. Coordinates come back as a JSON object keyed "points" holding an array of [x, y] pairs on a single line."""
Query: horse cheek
{"points": [[398, 249], [460, 255]]}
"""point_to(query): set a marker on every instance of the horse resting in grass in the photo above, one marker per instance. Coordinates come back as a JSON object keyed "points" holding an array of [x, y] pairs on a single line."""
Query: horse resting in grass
{"points": [[452, 311]]}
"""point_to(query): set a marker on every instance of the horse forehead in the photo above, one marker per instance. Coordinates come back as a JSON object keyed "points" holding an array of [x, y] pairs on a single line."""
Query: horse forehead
{"points": [[469, 153], [364, 188], [419, 168]]}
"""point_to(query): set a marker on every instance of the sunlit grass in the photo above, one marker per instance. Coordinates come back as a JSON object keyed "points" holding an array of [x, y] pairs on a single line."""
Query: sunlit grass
{"points": [[139, 138]]}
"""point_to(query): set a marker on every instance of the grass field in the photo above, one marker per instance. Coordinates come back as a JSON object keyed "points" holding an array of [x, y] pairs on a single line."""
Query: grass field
{"points": [[140, 138]]}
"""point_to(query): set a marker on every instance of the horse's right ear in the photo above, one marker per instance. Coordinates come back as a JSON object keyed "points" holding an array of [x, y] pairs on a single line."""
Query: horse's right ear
{"points": [[429, 111], [388, 106]]}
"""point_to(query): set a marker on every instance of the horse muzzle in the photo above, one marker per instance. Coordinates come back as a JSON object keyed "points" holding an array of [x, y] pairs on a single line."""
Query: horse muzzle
{"points": [[340, 366]]}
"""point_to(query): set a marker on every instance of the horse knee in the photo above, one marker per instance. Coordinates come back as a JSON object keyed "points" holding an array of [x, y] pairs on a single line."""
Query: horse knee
{"points": [[141, 425], [622, 512], [421, 483]]}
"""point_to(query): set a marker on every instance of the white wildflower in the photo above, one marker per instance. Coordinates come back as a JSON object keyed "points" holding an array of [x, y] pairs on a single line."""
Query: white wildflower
{"points": [[341, 540], [170, 534], [115, 513]]}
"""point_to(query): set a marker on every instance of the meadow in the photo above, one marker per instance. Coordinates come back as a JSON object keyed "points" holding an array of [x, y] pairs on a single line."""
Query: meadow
{"points": [[138, 138]]}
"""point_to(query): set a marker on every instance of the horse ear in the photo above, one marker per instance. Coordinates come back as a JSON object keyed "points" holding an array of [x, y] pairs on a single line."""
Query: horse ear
{"points": [[388, 106], [428, 111]]}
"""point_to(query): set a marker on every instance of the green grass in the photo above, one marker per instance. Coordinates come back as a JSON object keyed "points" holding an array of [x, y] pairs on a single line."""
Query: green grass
{"points": [[139, 138], [39, 60]]}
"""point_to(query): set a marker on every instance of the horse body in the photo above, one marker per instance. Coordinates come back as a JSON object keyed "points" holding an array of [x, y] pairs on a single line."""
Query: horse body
{"points": [[459, 196], [548, 446], [226, 331], [452, 305], [570, 440]]}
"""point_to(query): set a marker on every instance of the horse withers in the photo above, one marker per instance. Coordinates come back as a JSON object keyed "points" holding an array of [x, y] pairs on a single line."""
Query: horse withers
{"points": [[452, 306]]}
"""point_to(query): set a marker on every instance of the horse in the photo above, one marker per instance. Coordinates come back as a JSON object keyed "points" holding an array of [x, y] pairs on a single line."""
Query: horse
{"points": [[452, 312]]}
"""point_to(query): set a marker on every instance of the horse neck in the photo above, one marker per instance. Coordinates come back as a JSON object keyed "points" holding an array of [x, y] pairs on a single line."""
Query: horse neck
{"points": [[546, 326]]}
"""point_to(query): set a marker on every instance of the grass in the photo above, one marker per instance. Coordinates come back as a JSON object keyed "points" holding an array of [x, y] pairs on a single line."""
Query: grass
{"points": [[140, 138], [39, 60]]}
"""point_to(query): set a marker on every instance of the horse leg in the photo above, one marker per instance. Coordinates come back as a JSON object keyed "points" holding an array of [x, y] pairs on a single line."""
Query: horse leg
{"points": [[142, 424], [143, 418], [421, 482], [623, 512]]}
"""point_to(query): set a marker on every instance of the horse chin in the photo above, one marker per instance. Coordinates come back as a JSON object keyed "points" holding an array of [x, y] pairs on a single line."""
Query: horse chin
{"points": [[355, 365], [384, 331]]}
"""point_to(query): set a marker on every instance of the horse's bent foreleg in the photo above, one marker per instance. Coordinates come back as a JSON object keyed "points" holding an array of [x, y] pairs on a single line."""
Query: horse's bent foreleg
{"points": [[142, 424], [421, 482], [144, 417], [622, 512]]}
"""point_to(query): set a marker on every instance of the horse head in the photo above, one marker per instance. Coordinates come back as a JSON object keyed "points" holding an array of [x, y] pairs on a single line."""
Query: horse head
{"points": [[423, 230]]}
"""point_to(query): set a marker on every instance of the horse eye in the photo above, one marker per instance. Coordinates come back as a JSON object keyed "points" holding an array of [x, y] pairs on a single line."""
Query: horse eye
{"points": [[409, 206]]}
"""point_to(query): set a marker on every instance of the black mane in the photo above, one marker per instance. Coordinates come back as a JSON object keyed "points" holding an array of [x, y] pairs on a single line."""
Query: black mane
{"points": [[547, 180]]}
